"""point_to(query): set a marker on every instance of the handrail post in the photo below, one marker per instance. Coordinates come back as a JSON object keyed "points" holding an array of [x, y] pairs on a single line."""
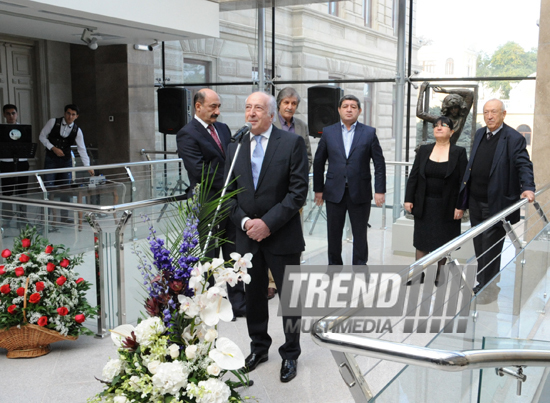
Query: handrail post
{"points": [[119, 246], [99, 275], [133, 189], [352, 376], [46, 209]]}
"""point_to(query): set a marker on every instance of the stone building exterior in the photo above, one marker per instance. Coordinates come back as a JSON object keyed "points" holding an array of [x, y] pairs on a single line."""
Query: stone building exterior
{"points": [[311, 44]]}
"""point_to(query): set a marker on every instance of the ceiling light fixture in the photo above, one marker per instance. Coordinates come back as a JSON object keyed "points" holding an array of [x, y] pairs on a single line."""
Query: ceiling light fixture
{"points": [[88, 39], [150, 47]]}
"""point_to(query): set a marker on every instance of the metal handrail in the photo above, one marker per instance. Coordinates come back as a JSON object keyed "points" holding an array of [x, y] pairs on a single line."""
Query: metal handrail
{"points": [[39, 172], [451, 361], [92, 207], [424, 356], [438, 254]]}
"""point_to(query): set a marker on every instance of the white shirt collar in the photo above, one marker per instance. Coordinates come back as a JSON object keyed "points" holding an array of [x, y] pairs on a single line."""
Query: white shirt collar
{"points": [[64, 122], [266, 134], [496, 131], [202, 122]]}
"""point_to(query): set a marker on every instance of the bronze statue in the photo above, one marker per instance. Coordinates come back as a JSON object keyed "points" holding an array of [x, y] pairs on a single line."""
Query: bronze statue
{"points": [[455, 106]]}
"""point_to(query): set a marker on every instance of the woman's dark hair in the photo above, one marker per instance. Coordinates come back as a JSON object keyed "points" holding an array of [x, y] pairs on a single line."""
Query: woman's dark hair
{"points": [[444, 119]]}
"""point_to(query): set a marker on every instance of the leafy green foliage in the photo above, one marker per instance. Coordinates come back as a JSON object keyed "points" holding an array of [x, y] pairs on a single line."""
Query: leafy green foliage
{"points": [[39, 285], [509, 59]]}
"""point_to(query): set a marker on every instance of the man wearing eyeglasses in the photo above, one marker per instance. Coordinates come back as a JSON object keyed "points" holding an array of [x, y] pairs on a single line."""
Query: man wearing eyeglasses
{"points": [[16, 186], [498, 174], [349, 147]]}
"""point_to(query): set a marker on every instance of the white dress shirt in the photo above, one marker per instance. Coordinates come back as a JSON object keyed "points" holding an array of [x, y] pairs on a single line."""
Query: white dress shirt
{"points": [[65, 130], [265, 140]]}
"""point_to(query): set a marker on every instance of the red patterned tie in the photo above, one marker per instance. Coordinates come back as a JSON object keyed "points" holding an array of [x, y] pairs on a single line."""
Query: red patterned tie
{"points": [[215, 137]]}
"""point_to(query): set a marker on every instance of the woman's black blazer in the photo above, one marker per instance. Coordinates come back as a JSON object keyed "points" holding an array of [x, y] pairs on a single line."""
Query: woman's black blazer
{"points": [[416, 185]]}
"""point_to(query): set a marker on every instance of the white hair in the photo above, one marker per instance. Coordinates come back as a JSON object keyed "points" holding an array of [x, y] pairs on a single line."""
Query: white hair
{"points": [[271, 103]]}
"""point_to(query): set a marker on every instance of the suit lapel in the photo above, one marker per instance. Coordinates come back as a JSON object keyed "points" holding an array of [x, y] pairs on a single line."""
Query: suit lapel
{"points": [[453, 159], [244, 162], [356, 137], [206, 134], [424, 160], [272, 145], [340, 139], [501, 145]]}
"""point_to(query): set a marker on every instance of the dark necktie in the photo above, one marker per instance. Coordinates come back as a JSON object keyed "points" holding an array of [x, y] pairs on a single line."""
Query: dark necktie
{"points": [[215, 137], [490, 135]]}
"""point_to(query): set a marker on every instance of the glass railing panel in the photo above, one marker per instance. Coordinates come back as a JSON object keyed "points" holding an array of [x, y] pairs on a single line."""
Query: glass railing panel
{"points": [[504, 388]]}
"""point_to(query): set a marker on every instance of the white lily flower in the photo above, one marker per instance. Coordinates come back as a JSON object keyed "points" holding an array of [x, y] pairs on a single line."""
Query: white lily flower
{"points": [[216, 292], [211, 335], [227, 354], [217, 309], [246, 278], [242, 263], [188, 306], [120, 333], [217, 263], [227, 276]]}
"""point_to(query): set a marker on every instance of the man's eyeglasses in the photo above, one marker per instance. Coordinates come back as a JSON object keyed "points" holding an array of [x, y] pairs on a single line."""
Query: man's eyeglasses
{"points": [[10, 113], [441, 125]]}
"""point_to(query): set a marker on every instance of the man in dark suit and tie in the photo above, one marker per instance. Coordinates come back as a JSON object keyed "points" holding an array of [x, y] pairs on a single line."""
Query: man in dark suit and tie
{"points": [[498, 174], [202, 145], [349, 147], [272, 170]]}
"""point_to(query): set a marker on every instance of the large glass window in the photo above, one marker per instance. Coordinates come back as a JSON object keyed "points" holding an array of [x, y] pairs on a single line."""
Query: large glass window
{"points": [[367, 9], [333, 8]]}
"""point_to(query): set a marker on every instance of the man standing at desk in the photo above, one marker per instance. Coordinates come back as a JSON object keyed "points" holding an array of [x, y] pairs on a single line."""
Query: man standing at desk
{"points": [[13, 186], [58, 136]]}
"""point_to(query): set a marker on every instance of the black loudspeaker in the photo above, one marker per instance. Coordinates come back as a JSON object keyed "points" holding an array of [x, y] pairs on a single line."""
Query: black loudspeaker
{"points": [[174, 109], [322, 107]]}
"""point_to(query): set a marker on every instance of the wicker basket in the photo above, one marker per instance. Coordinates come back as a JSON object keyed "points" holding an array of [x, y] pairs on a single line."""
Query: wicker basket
{"points": [[29, 341]]}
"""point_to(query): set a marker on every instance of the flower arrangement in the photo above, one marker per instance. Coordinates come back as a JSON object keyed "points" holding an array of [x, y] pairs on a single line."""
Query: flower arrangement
{"points": [[38, 285], [176, 354]]}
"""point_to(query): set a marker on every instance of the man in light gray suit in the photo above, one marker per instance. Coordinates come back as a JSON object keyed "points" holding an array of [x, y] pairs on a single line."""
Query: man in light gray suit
{"points": [[287, 103]]}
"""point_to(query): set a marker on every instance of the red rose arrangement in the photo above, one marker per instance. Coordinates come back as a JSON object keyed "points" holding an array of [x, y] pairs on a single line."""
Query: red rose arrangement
{"points": [[43, 276]]}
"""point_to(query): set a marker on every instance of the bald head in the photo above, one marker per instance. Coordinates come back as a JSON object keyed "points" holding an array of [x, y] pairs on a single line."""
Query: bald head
{"points": [[207, 105], [494, 113]]}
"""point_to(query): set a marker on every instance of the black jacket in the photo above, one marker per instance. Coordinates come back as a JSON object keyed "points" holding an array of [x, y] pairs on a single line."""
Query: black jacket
{"points": [[416, 185]]}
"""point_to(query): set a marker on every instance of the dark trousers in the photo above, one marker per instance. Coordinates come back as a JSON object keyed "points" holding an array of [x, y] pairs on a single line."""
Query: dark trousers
{"points": [[488, 245], [59, 179], [257, 311], [14, 186], [336, 219]]}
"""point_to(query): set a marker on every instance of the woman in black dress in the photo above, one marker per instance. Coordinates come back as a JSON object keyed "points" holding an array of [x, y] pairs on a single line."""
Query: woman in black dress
{"points": [[432, 190]]}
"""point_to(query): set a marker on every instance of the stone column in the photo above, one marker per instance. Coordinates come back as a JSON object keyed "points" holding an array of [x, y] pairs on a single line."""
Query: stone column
{"points": [[541, 138]]}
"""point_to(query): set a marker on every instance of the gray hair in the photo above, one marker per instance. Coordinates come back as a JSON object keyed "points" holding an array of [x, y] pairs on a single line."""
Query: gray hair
{"points": [[287, 92], [501, 103]]}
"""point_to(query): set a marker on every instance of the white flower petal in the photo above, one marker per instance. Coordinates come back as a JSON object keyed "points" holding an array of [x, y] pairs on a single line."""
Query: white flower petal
{"points": [[227, 354], [119, 333], [216, 310]]}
